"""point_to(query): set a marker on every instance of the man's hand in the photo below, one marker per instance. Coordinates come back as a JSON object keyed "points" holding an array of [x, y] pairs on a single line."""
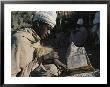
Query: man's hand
{"points": [[59, 64]]}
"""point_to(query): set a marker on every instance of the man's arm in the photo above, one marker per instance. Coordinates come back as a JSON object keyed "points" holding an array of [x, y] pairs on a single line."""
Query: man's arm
{"points": [[57, 62]]}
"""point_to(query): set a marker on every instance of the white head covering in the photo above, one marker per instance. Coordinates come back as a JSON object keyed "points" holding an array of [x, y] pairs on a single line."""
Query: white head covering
{"points": [[80, 21], [48, 17], [97, 18]]}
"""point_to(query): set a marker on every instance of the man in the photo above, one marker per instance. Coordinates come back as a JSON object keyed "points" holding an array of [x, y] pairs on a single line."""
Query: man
{"points": [[22, 52], [83, 51], [93, 42], [96, 28], [79, 35], [77, 59], [77, 39]]}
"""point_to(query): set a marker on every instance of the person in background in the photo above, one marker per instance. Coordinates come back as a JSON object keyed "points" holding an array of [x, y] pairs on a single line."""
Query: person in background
{"points": [[79, 34], [96, 28], [93, 42], [77, 58]]}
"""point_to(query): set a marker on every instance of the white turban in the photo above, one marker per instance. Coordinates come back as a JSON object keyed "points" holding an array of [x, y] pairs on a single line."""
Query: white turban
{"points": [[48, 17]]}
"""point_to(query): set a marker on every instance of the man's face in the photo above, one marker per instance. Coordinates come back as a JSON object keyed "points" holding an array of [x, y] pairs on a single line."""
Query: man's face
{"points": [[44, 30]]}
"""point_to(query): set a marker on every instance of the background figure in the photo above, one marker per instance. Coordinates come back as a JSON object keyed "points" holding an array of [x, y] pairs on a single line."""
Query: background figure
{"points": [[96, 27], [79, 34], [77, 57], [92, 45]]}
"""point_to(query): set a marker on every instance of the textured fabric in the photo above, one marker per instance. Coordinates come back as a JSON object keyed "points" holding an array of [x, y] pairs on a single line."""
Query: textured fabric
{"points": [[41, 50], [24, 58], [45, 69], [21, 49], [48, 17], [95, 73], [49, 71], [76, 57]]}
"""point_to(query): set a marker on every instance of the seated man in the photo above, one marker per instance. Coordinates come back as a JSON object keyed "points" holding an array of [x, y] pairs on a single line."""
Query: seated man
{"points": [[23, 57]]}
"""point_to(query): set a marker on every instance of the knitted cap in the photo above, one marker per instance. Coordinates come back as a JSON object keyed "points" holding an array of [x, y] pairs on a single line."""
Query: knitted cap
{"points": [[48, 17]]}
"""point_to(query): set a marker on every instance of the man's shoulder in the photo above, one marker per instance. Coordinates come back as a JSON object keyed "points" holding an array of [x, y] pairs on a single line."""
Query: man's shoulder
{"points": [[25, 32]]}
